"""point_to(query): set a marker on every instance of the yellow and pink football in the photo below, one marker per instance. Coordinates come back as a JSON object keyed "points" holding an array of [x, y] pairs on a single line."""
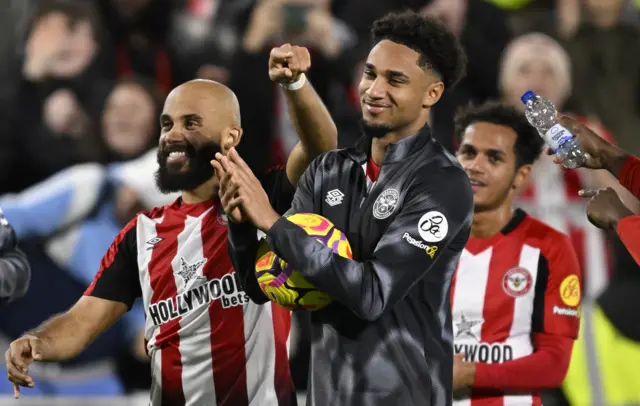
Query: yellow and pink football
{"points": [[284, 285]]}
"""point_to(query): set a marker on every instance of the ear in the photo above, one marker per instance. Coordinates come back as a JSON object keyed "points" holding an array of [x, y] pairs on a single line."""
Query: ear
{"points": [[521, 180], [230, 138], [432, 95]]}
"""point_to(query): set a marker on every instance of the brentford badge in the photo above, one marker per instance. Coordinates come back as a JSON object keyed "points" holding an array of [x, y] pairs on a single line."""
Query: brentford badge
{"points": [[517, 282]]}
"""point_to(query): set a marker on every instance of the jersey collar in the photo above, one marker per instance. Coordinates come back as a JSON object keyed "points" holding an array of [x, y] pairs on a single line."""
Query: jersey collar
{"points": [[396, 152]]}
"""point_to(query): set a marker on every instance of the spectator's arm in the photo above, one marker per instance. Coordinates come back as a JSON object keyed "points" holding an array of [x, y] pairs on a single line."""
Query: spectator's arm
{"points": [[55, 203]]}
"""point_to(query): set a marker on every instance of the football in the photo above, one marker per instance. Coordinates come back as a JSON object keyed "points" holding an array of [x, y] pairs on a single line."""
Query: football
{"points": [[281, 283]]}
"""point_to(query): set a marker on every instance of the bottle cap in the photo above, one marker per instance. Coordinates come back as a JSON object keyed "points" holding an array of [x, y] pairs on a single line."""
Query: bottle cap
{"points": [[529, 95]]}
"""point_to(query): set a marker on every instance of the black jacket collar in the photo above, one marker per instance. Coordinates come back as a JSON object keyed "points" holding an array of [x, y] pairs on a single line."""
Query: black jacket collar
{"points": [[396, 152]]}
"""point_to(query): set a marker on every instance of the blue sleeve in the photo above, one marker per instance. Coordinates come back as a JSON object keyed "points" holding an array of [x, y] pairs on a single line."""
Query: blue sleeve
{"points": [[134, 319], [56, 202]]}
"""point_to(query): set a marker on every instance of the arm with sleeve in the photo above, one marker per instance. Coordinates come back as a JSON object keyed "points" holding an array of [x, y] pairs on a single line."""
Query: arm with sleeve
{"points": [[117, 279], [371, 287], [56, 202]]}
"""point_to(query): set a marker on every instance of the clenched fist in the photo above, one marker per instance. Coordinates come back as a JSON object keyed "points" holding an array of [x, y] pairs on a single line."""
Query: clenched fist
{"points": [[288, 62], [21, 353]]}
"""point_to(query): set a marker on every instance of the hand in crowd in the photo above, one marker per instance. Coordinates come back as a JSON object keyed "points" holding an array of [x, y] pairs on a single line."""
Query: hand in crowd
{"points": [[287, 63], [601, 153], [54, 49], [605, 208], [268, 20], [453, 13], [265, 22], [63, 113]]}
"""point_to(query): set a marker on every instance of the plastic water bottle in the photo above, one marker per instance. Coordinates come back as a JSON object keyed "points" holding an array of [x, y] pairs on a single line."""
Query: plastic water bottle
{"points": [[541, 114]]}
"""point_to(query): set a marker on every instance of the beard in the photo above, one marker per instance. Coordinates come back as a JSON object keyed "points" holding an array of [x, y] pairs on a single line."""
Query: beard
{"points": [[375, 130], [199, 169]]}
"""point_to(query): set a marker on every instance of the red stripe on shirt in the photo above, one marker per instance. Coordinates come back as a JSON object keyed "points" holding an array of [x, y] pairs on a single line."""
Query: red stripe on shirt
{"points": [[163, 285], [226, 320], [373, 170], [496, 327]]}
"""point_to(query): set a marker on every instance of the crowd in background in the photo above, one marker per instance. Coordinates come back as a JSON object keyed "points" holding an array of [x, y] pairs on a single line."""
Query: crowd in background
{"points": [[83, 81]]}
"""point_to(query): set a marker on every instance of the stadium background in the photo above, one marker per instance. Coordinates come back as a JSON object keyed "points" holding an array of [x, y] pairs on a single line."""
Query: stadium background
{"points": [[76, 151]]}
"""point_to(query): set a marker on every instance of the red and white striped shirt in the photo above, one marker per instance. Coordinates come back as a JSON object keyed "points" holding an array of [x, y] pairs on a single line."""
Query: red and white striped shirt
{"points": [[524, 280], [208, 343]]}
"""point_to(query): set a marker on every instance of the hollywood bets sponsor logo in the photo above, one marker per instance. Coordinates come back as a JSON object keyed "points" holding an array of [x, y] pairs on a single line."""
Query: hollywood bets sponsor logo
{"points": [[486, 353], [429, 249], [226, 289]]}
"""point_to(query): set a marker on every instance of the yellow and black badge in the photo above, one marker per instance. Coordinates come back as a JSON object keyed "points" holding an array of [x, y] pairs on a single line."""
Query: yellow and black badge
{"points": [[570, 291]]}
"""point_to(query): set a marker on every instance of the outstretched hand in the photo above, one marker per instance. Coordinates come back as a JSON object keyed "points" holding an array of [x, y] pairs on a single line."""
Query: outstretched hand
{"points": [[600, 152], [605, 209], [21, 353], [241, 193]]}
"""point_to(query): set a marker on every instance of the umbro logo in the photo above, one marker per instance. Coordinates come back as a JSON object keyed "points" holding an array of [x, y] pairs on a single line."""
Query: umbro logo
{"points": [[153, 242], [334, 197]]}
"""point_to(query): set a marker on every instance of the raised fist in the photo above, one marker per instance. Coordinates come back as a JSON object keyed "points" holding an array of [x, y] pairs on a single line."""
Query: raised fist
{"points": [[288, 62]]}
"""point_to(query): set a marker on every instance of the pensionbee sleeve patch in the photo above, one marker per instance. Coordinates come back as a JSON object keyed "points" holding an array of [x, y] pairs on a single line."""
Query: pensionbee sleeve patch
{"points": [[433, 226], [570, 290]]}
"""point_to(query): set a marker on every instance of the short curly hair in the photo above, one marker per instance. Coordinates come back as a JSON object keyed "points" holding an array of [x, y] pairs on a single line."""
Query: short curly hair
{"points": [[529, 144], [440, 51]]}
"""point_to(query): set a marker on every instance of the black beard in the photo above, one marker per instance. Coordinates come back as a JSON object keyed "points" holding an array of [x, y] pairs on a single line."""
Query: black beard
{"points": [[198, 172], [374, 130]]}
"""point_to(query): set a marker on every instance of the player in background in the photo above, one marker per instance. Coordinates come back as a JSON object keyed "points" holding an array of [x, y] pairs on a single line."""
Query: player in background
{"points": [[15, 271], [209, 345], [517, 290], [404, 204]]}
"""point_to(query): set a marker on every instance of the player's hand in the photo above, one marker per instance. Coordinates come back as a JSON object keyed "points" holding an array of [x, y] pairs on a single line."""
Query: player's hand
{"points": [[21, 353], [601, 153], [228, 191], [605, 209], [245, 191], [288, 62], [463, 372]]}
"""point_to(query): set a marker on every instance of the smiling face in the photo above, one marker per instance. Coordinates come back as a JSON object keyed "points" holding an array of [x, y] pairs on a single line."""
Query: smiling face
{"points": [[395, 91], [198, 120], [487, 154]]}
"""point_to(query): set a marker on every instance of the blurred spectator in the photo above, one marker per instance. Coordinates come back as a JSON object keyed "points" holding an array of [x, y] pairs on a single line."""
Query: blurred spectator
{"points": [[55, 89], [306, 23], [483, 32], [130, 119], [68, 221], [604, 44]]}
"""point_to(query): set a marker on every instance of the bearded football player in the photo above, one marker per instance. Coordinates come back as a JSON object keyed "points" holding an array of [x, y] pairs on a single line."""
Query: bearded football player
{"points": [[516, 293], [208, 343]]}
